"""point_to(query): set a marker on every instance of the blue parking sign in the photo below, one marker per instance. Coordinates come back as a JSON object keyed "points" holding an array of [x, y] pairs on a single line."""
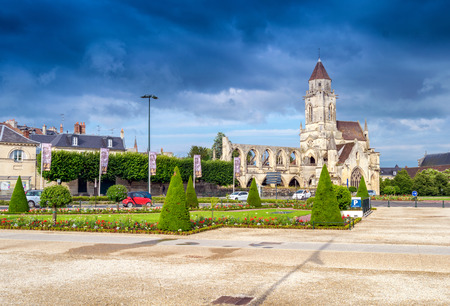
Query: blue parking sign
{"points": [[356, 202]]}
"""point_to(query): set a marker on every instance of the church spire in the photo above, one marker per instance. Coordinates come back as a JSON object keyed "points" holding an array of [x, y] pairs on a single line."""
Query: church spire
{"points": [[319, 72]]}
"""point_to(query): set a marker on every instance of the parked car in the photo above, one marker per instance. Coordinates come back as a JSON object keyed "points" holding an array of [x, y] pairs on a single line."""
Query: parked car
{"points": [[239, 196], [301, 194], [372, 193], [33, 198], [138, 198]]}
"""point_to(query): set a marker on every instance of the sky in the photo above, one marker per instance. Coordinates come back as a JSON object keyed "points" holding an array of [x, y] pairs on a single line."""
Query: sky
{"points": [[237, 67]]}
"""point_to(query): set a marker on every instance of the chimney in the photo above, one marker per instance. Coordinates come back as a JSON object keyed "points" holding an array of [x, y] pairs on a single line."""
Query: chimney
{"points": [[76, 128], [61, 130], [26, 133], [44, 130], [122, 133], [83, 128]]}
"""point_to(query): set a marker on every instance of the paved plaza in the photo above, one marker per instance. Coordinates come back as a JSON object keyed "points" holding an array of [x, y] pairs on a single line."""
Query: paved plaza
{"points": [[397, 256]]}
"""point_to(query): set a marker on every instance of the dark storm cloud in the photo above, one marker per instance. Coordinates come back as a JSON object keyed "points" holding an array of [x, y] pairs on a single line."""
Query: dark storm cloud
{"points": [[240, 60]]}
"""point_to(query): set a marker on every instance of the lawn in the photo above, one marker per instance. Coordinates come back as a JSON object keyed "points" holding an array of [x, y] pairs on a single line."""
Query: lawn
{"points": [[154, 217]]}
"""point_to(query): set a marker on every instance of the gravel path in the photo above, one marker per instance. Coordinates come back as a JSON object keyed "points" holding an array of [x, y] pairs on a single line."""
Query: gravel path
{"points": [[385, 260]]}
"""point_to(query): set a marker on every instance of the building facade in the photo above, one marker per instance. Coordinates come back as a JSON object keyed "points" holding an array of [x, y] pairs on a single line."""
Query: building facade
{"points": [[344, 146]]}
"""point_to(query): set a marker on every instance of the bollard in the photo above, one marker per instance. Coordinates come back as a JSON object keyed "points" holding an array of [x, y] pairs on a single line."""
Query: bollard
{"points": [[313, 224], [443, 203], [415, 201], [389, 205]]}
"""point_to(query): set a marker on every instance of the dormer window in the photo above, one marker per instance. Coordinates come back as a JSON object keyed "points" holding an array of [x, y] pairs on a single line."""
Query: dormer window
{"points": [[74, 141], [110, 143]]}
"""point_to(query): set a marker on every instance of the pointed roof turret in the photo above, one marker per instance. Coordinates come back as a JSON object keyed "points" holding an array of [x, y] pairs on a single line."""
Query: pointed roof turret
{"points": [[365, 125], [319, 72]]}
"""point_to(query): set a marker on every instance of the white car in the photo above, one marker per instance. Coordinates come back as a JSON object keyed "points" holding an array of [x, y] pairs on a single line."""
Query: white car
{"points": [[33, 198], [301, 194], [372, 193], [239, 196]]}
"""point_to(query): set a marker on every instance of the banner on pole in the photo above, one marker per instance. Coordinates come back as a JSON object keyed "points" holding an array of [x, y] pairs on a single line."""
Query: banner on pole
{"points": [[197, 166], [152, 156], [46, 156], [104, 157], [237, 165]]}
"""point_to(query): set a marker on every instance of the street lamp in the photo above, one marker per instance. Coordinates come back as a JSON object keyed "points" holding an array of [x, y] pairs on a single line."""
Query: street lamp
{"points": [[149, 97]]}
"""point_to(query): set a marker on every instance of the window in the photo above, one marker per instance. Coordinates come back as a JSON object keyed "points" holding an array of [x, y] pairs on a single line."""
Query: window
{"points": [[110, 143], [74, 141], [17, 155]]}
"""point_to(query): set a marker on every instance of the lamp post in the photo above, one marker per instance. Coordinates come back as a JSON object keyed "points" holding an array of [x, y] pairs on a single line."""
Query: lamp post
{"points": [[149, 97]]}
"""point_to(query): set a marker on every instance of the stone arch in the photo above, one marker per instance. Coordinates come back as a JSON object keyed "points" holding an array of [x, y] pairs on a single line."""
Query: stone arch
{"points": [[355, 177], [237, 152], [311, 180], [249, 182], [280, 158], [251, 157], [266, 158], [294, 182], [293, 158]]}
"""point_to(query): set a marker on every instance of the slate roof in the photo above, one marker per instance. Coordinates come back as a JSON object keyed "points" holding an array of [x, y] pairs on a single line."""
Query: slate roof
{"points": [[84, 141], [350, 130], [319, 72], [390, 170], [436, 159], [344, 151], [414, 170], [9, 135]]}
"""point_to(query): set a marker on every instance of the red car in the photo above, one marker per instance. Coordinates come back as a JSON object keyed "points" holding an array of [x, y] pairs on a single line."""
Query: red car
{"points": [[138, 198]]}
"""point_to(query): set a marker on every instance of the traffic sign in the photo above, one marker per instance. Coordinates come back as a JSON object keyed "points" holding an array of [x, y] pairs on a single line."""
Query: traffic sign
{"points": [[414, 193]]}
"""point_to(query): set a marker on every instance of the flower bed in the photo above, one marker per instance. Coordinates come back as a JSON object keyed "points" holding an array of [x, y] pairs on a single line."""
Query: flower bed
{"points": [[198, 224]]}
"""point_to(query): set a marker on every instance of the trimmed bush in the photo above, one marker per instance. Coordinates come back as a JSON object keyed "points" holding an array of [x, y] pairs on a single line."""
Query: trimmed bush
{"points": [[174, 213], [117, 193], [253, 195], [55, 196], [362, 189], [343, 196], [18, 201], [352, 189], [191, 195], [326, 208], [310, 201]]}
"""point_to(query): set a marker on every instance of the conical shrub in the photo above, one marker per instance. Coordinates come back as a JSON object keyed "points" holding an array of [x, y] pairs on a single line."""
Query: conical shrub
{"points": [[253, 195], [191, 195], [18, 201], [362, 189], [325, 208], [174, 214]]}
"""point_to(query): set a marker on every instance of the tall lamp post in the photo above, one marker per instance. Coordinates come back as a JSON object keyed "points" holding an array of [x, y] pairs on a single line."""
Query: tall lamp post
{"points": [[149, 97]]}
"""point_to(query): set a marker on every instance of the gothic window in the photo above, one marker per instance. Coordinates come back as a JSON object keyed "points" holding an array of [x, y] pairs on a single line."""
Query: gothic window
{"points": [[312, 160], [251, 158], [17, 155], [355, 178], [309, 114], [293, 159], [265, 159], [280, 158]]}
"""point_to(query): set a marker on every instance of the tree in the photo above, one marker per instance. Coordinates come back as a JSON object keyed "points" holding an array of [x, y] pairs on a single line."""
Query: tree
{"points": [[191, 196], [253, 195], [423, 184], [325, 208], [362, 189], [174, 214], [117, 193], [18, 202], [217, 146], [55, 196], [205, 153], [403, 181], [343, 196]]}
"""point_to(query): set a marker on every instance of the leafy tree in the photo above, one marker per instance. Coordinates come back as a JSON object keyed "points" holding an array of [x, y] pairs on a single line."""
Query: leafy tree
{"points": [[343, 196], [18, 202], [205, 153], [325, 208], [253, 195], [352, 189], [403, 181], [423, 184], [117, 193], [362, 189], [55, 196], [191, 196], [217, 146], [174, 214], [389, 190]]}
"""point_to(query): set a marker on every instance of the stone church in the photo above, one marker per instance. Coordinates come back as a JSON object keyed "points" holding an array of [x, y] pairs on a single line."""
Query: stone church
{"points": [[343, 146]]}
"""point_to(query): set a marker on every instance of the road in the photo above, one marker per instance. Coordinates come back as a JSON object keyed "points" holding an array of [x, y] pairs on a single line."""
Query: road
{"points": [[395, 256]]}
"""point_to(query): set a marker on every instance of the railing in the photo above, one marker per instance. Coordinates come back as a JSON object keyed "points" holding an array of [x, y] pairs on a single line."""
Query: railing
{"points": [[366, 206]]}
